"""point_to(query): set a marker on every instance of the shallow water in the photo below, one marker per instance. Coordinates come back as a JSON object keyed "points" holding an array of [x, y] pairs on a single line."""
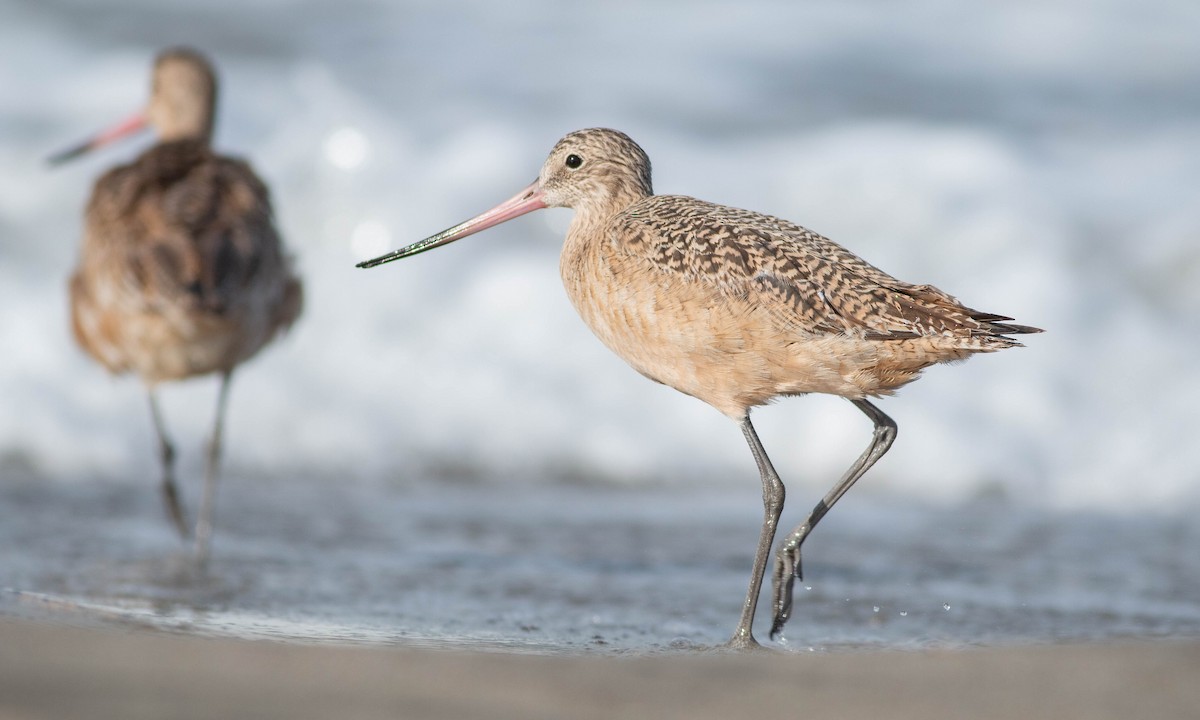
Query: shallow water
{"points": [[1037, 160], [555, 567]]}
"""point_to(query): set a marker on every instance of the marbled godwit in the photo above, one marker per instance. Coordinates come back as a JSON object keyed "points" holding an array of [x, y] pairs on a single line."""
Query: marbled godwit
{"points": [[181, 272], [736, 308]]}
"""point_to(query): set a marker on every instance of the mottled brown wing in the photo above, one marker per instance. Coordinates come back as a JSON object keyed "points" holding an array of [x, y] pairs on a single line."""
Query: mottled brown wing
{"points": [[807, 281], [198, 227]]}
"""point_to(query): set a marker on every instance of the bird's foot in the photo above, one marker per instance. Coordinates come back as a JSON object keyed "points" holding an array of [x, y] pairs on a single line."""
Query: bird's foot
{"points": [[743, 641], [787, 572], [175, 509]]}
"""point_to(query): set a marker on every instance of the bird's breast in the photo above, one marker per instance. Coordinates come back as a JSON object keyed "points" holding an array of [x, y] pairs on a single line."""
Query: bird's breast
{"points": [[681, 333]]}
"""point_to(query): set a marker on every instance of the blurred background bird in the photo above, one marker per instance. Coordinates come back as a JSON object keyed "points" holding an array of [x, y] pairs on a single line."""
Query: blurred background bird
{"points": [[181, 272]]}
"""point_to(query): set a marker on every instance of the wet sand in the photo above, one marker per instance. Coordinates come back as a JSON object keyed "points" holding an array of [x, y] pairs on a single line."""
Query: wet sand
{"points": [[62, 672]]}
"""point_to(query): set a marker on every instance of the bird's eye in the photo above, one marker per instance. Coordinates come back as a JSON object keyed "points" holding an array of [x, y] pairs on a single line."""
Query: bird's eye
{"points": [[574, 161]]}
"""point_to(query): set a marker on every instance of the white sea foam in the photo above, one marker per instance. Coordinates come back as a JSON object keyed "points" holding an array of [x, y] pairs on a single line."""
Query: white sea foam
{"points": [[1041, 162]]}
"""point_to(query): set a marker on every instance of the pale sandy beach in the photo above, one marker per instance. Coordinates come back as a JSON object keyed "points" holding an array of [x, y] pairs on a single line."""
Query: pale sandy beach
{"points": [[64, 673]]}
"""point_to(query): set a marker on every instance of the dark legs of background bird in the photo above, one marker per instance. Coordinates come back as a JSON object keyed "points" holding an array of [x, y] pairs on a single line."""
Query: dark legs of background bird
{"points": [[773, 494], [787, 560], [204, 520], [166, 451]]}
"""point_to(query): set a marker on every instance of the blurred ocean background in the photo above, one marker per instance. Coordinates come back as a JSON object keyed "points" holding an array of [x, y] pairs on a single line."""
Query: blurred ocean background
{"points": [[1035, 159]]}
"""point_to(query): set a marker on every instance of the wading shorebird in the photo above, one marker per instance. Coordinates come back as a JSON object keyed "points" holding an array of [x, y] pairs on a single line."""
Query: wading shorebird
{"points": [[181, 272], [737, 309]]}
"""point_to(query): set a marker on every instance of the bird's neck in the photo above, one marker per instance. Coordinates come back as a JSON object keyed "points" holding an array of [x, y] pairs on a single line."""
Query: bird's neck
{"points": [[199, 132], [184, 119], [606, 201], [590, 234]]}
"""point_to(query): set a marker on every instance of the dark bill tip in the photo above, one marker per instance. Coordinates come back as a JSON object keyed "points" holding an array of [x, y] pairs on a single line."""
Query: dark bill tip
{"points": [[70, 153], [415, 248]]}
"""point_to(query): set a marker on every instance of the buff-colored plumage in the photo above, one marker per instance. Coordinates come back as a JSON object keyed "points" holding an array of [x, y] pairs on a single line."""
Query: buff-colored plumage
{"points": [[181, 271], [737, 308]]}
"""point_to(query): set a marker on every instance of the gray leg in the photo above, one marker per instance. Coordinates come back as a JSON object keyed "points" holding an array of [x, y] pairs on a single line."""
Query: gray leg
{"points": [[787, 561], [167, 454], [204, 521], [773, 494]]}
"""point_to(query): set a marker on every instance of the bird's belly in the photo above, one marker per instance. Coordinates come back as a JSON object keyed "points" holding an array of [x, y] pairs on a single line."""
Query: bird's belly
{"points": [[125, 333], [725, 351]]}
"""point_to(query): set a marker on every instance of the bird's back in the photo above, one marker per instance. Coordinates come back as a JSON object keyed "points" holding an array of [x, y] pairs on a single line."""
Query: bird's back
{"points": [[737, 307], [182, 271]]}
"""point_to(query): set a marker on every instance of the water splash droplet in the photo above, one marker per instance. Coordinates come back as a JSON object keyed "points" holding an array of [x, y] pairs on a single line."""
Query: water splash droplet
{"points": [[875, 608]]}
